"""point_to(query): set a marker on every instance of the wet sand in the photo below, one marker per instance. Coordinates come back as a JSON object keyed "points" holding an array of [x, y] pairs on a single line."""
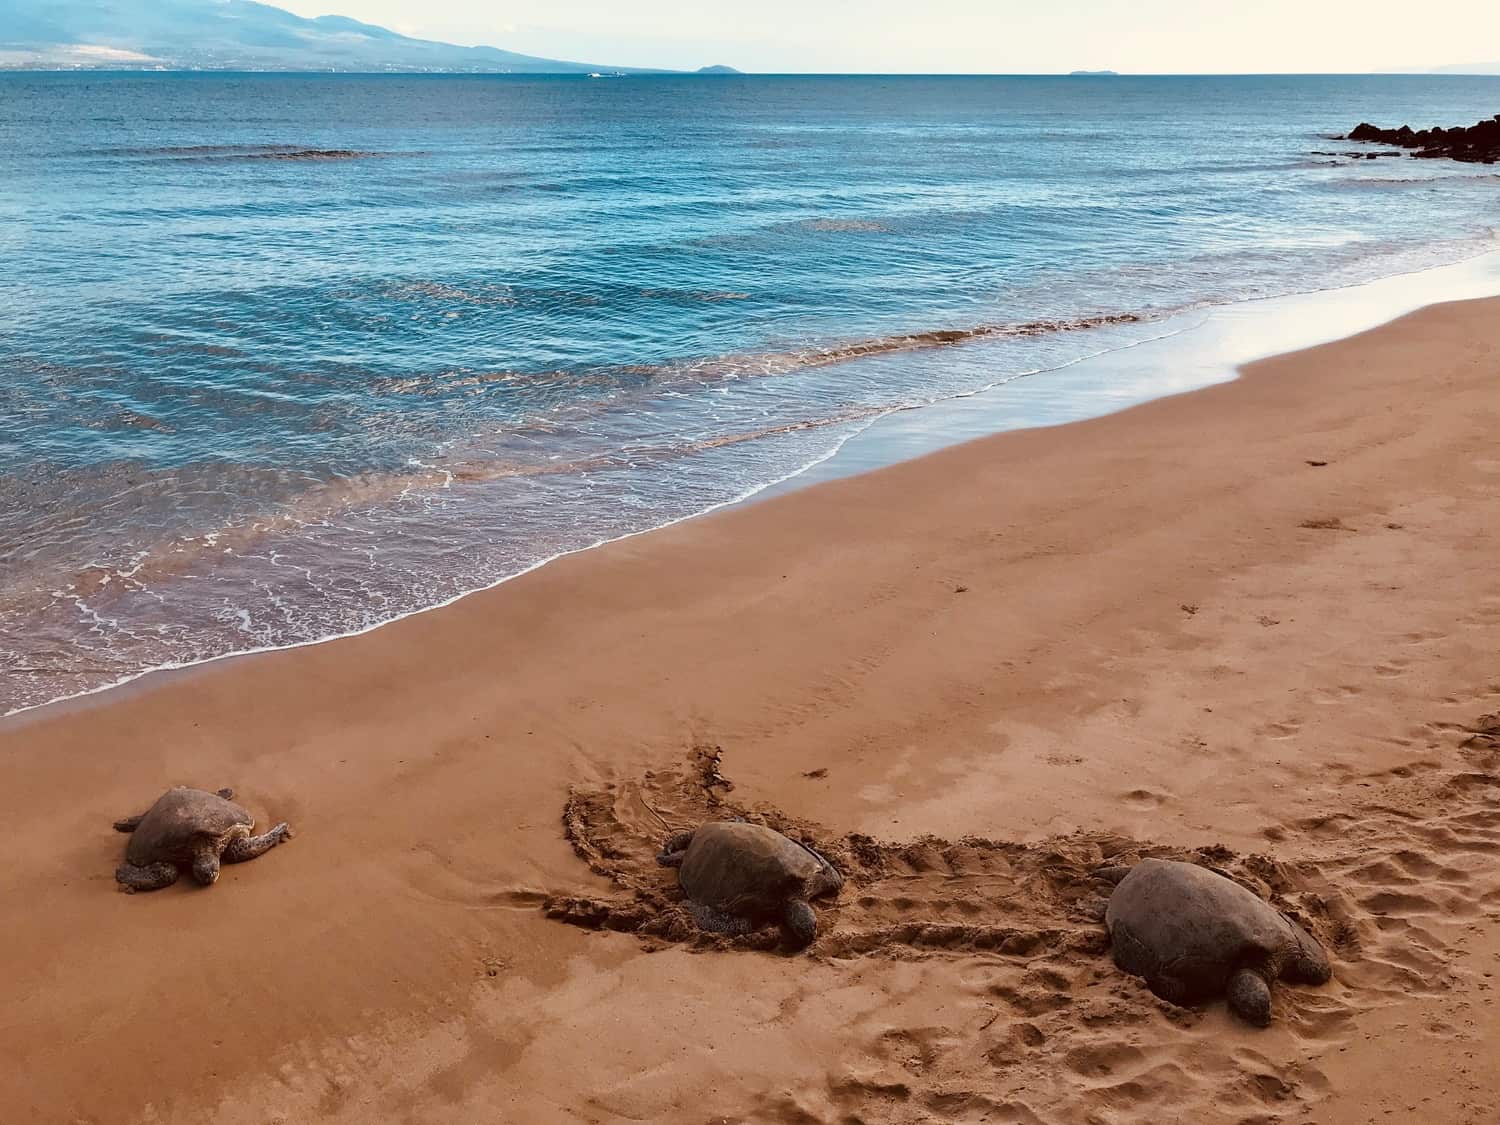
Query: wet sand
{"points": [[1166, 631]]}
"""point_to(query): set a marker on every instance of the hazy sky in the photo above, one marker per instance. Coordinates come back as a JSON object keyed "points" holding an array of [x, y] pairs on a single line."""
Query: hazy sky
{"points": [[1006, 36]]}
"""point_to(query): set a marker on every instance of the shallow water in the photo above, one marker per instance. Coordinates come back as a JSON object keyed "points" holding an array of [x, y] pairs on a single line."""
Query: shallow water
{"points": [[284, 357]]}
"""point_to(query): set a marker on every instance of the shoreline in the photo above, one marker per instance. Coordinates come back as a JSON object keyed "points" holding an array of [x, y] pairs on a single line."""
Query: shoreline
{"points": [[1255, 615], [969, 416]]}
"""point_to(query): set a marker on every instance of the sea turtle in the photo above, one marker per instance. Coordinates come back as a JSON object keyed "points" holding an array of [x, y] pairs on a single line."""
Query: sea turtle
{"points": [[189, 828], [1194, 934], [739, 876]]}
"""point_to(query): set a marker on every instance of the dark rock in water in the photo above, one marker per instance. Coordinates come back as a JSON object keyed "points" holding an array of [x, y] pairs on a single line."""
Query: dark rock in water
{"points": [[1478, 144], [312, 154], [1354, 155]]}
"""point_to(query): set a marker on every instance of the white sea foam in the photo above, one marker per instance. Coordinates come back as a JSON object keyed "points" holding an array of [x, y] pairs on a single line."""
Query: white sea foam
{"points": [[1200, 348]]}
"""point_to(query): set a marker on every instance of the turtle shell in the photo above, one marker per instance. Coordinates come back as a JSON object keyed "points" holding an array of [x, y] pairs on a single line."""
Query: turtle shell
{"points": [[180, 818], [1193, 926], [746, 869]]}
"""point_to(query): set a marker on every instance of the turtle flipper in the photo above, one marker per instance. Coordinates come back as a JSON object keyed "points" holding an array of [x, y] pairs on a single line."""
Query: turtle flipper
{"points": [[152, 877], [1170, 987], [248, 847], [717, 921]]}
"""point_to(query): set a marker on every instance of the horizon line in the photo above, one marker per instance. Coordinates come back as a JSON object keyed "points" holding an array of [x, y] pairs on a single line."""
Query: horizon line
{"points": [[658, 72]]}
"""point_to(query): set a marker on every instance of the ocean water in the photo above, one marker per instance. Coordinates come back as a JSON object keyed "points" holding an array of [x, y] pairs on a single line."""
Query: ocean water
{"points": [[285, 357]]}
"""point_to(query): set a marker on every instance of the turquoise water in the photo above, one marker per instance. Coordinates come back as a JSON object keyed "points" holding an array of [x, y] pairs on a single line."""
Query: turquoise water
{"points": [[285, 357]]}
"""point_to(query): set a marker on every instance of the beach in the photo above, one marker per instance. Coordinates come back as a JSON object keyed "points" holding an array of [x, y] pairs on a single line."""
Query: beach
{"points": [[1254, 624], [257, 399]]}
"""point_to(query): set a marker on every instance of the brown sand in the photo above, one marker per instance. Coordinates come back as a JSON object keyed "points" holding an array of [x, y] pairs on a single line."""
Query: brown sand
{"points": [[1175, 635]]}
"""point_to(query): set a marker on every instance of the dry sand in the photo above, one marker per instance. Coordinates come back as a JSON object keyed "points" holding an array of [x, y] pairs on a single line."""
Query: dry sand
{"points": [[1160, 632]]}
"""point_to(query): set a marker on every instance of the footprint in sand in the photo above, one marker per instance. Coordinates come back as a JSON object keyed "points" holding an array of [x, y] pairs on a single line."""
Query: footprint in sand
{"points": [[1423, 638], [1018, 1041], [1280, 732], [1343, 693], [913, 1048], [1104, 1060]]}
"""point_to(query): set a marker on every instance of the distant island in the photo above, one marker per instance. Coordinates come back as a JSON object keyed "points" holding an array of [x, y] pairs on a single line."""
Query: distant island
{"points": [[1093, 74], [718, 70], [239, 35]]}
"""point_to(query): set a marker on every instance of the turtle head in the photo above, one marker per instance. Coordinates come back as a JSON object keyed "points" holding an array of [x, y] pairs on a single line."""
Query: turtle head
{"points": [[800, 923], [206, 866], [1250, 997]]}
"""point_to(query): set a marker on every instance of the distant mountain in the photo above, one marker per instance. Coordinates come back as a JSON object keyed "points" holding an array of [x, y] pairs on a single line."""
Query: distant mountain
{"points": [[1467, 68], [230, 35], [718, 70], [1093, 74]]}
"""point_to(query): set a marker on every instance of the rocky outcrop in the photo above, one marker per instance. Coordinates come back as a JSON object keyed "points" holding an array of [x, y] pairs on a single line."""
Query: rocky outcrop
{"points": [[1479, 144]]}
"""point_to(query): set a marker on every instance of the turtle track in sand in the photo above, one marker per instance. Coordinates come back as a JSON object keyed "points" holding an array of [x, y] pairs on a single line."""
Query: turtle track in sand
{"points": [[979, 970], [929, 895]]}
